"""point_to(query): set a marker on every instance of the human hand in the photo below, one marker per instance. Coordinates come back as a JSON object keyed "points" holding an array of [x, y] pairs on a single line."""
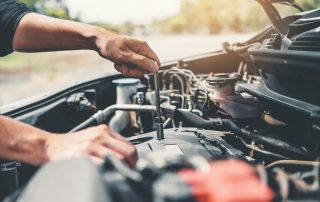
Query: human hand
{"points": [[96, 142], [132, 57]]}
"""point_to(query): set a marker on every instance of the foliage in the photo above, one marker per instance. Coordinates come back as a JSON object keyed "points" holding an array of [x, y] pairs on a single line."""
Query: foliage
{"points": [[215, 16], [32, 4], [195, 16], [309, 4], [40, 7]]}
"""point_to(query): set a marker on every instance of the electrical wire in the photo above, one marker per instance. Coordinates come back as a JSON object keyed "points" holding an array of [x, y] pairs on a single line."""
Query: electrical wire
{"points": [[294, 162]]}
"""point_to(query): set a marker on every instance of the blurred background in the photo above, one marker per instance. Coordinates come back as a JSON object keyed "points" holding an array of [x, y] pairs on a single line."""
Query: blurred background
{"points": [[173, 28]]}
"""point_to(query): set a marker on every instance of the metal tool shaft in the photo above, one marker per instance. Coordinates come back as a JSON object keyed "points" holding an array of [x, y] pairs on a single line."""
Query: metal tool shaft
{"points": [[159, 125]]}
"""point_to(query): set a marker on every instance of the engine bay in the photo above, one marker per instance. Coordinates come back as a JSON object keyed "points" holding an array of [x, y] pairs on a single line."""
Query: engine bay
{"points": [[249, 113], [220, 130]]}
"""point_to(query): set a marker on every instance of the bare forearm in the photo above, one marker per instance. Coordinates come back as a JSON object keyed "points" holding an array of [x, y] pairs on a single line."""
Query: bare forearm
{"points": [[22, 142], [37, 33], [41, 33]]}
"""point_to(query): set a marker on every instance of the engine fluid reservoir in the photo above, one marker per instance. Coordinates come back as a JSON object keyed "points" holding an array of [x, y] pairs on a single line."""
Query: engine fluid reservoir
{"points": [[222, 92], [125, 89]]}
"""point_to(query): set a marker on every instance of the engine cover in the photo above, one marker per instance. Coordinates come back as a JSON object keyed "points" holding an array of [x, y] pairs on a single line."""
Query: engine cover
{"points": [[187, 142]]}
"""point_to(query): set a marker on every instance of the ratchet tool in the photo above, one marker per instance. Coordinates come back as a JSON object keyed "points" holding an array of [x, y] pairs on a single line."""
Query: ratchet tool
{"points": [[159, 125]]}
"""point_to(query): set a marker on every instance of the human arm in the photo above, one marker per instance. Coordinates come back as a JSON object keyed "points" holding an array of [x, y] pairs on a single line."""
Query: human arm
{"points": [[37, 33], [22, 142], [34, 33], [24, 31]]}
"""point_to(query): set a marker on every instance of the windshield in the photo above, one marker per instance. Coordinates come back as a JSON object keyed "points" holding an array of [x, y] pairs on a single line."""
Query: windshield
{"points": [[173, 28]]}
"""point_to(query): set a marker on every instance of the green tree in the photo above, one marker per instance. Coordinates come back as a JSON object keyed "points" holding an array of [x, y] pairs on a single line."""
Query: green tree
{"points": [[215, 16], [40, 7], [309, 4], [33, 4]]}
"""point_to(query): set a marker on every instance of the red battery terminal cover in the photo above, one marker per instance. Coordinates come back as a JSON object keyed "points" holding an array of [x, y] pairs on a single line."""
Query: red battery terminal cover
{"points": [[227, 181]]}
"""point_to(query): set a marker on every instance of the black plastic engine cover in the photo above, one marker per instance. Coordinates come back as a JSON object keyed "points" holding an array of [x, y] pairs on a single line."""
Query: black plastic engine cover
{"points": [[73, 180], [293, 70], [187, 142]]}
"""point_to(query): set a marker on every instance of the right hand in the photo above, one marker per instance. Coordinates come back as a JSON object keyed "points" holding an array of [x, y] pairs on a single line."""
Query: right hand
{"points": [[132, 57], [96, 142]]}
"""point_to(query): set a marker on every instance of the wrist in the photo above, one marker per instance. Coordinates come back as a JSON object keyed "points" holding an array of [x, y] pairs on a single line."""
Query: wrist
{"points": [[100, 38], [54, 147], [32, 149], [22, 142], [59, 147]]}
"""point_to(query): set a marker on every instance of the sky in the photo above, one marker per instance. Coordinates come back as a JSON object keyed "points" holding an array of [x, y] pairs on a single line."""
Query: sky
{"points": [[119, 11]]}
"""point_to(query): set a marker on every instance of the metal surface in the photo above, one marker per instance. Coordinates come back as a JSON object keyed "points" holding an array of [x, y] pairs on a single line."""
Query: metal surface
{"points": [[101, 116], [127, 107], [159, 125]]}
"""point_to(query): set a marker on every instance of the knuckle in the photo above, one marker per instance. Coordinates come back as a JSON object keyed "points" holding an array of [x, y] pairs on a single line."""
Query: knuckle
{"points": [[118, 57], [127, 54], [144, 43], [87, 149], [123, 55], [143, 61], [121, 158], [102, 128], [131, 151], [101, 133]]}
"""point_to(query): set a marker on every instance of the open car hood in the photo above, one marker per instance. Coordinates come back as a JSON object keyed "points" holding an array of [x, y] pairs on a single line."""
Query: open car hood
{"points": [[292, 3], [274, 14]]}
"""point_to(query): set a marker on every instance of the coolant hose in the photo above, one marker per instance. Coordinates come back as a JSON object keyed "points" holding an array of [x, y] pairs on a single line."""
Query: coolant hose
{"points": [[192, 120]]}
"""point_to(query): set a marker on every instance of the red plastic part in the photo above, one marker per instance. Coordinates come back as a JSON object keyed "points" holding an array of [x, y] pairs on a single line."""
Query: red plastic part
{"points": [[227, 181]]}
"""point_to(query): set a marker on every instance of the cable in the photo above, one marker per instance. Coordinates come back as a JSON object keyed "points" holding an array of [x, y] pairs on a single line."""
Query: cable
{"points": [[180, 81], [262, 151], [101, 116], [293, 162], [192, 120]]}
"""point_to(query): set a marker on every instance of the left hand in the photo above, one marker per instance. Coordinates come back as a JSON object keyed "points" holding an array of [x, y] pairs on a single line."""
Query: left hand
{"points": [[95, 142]]}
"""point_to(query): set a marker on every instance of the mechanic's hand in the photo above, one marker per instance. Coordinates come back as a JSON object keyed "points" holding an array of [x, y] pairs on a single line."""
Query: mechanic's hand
{"points": [[132, 57], [96, 142]]}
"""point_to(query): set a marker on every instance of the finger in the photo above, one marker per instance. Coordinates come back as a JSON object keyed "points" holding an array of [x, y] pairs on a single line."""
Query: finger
{"points": [[142, 48], [121, 68], [96, 160], [118, 136], [107, 131], [130, 72], [101, 152], [135, 73], [126, 150], [141, 62], [118, 67], [115, 142]]}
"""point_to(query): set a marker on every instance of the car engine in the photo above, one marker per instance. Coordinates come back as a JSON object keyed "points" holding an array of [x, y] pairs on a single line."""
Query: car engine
{"points": [[248, 133], [222, 131]]}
